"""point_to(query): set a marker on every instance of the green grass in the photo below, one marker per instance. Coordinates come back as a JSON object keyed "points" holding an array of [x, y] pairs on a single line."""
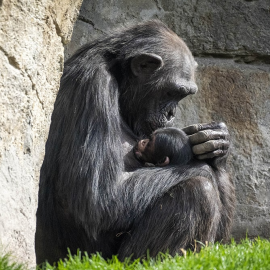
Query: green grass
{"points": [[7, 264], [246, 255], [249, 254]]}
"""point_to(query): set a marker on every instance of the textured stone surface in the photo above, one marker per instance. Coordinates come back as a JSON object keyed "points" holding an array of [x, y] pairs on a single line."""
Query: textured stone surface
{"points": [[232, 27], [231, 42], [32, 35]]}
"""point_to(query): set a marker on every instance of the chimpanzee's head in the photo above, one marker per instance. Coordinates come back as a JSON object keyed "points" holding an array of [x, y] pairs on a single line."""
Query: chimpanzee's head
{"points": [[155, 71]]}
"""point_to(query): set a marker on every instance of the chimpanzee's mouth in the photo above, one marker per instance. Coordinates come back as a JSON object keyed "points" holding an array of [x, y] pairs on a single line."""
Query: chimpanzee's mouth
{"points": [[170, 114], [164, 119]]}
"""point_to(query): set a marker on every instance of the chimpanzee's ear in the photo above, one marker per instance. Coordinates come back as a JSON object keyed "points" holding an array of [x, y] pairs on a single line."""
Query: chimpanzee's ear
{"points": [[164, 162], [145, 64]]}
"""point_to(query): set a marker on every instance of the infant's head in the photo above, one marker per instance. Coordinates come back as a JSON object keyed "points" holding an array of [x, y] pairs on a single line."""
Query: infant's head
{"points": [[165, 146]]}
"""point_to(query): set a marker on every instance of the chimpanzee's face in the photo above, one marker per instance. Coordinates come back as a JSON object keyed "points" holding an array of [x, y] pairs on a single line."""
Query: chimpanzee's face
{"points": [[156, 84], [144, 150]]}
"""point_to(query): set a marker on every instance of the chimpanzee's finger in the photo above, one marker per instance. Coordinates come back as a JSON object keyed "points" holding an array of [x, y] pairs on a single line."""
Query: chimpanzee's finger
{"points": [[216, 153], [206, 135], [210, 146], [198, 127]]}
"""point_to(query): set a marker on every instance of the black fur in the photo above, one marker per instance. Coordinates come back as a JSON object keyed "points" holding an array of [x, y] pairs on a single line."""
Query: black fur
{"points": [[174, 143], [85, 201]]}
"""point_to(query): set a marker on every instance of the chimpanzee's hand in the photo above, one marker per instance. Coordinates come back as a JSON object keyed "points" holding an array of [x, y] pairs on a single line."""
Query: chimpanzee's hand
{"points": [[210, 142]]}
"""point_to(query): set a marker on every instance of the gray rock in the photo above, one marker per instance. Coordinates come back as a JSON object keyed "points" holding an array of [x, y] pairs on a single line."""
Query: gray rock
{"points": [[222, 28], [32, 38]]}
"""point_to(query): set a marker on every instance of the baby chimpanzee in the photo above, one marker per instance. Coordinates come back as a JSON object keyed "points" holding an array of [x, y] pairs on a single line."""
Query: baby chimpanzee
{"points": [[165, 146]]}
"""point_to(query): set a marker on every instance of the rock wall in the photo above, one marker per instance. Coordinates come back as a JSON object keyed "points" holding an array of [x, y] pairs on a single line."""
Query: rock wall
{"points": [[32, 38], [230, 40]]}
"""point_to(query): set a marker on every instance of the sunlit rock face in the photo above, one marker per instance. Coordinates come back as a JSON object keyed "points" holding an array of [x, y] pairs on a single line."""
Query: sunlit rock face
{"points": [[32, 39]]}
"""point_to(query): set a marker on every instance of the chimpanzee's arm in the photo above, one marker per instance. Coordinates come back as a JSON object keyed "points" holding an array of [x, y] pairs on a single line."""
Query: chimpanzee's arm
{"points": [[211, 143]]}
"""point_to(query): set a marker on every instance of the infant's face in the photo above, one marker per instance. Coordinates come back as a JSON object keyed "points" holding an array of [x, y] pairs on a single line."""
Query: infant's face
{"points": [[144, 150]]}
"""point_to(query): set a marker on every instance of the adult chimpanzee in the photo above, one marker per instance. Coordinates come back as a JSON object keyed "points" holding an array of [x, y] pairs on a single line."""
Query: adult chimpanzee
{"points": [[166, 146], [112, 91]]}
